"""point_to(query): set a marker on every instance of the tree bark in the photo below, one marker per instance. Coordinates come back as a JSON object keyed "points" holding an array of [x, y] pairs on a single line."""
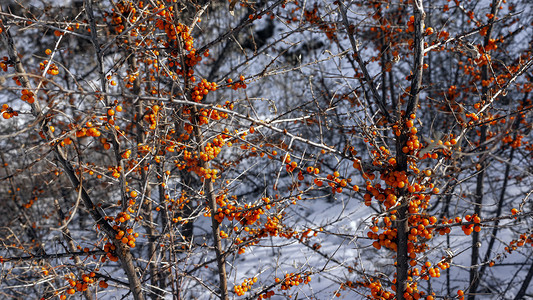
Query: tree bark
{"points": [[474, 273], [402, 225]]}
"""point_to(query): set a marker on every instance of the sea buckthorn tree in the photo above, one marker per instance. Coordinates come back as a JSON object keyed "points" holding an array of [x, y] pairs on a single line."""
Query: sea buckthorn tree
{"points": [[266, 149]]}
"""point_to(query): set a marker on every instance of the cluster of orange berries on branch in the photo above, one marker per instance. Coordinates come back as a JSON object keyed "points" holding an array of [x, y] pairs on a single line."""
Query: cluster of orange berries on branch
{"points": [[130, 79], [412, 292], [266, 295], [65, 142], [191, 160], [426, 271], [514, 142], [30, 202], [115, 171], [126, 10], [385, 239], [172, 32], [151, 116], [443, 35], [419, 224], [83, 283], [237, 85], [474, 226], [245, 215], [484, 58], [272, 227], [386, 196], [290, 165], [17, 81], [411, 24], [111, 82], [52, 69], [523, 240], [239, 290], [58, 33], [27, 96], [143, 149], [377, 291], [126, 235], [313, 170], [344, 285], [5, 63], [8, 112], [88, 130], [329, 29], [336, 182], [109, 249], [213, 114], [105, 143], [126, 154], [176, 204], [291, 280], [191, 59], [202, 89], [305, 235]]}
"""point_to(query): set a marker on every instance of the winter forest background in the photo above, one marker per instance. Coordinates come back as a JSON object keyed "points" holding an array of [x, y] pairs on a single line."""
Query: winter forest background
{"points": [[266, 149]]}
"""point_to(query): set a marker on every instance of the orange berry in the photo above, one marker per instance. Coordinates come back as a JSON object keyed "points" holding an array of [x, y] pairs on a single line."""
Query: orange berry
{"points": [[401, 184], [376, 245]]}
